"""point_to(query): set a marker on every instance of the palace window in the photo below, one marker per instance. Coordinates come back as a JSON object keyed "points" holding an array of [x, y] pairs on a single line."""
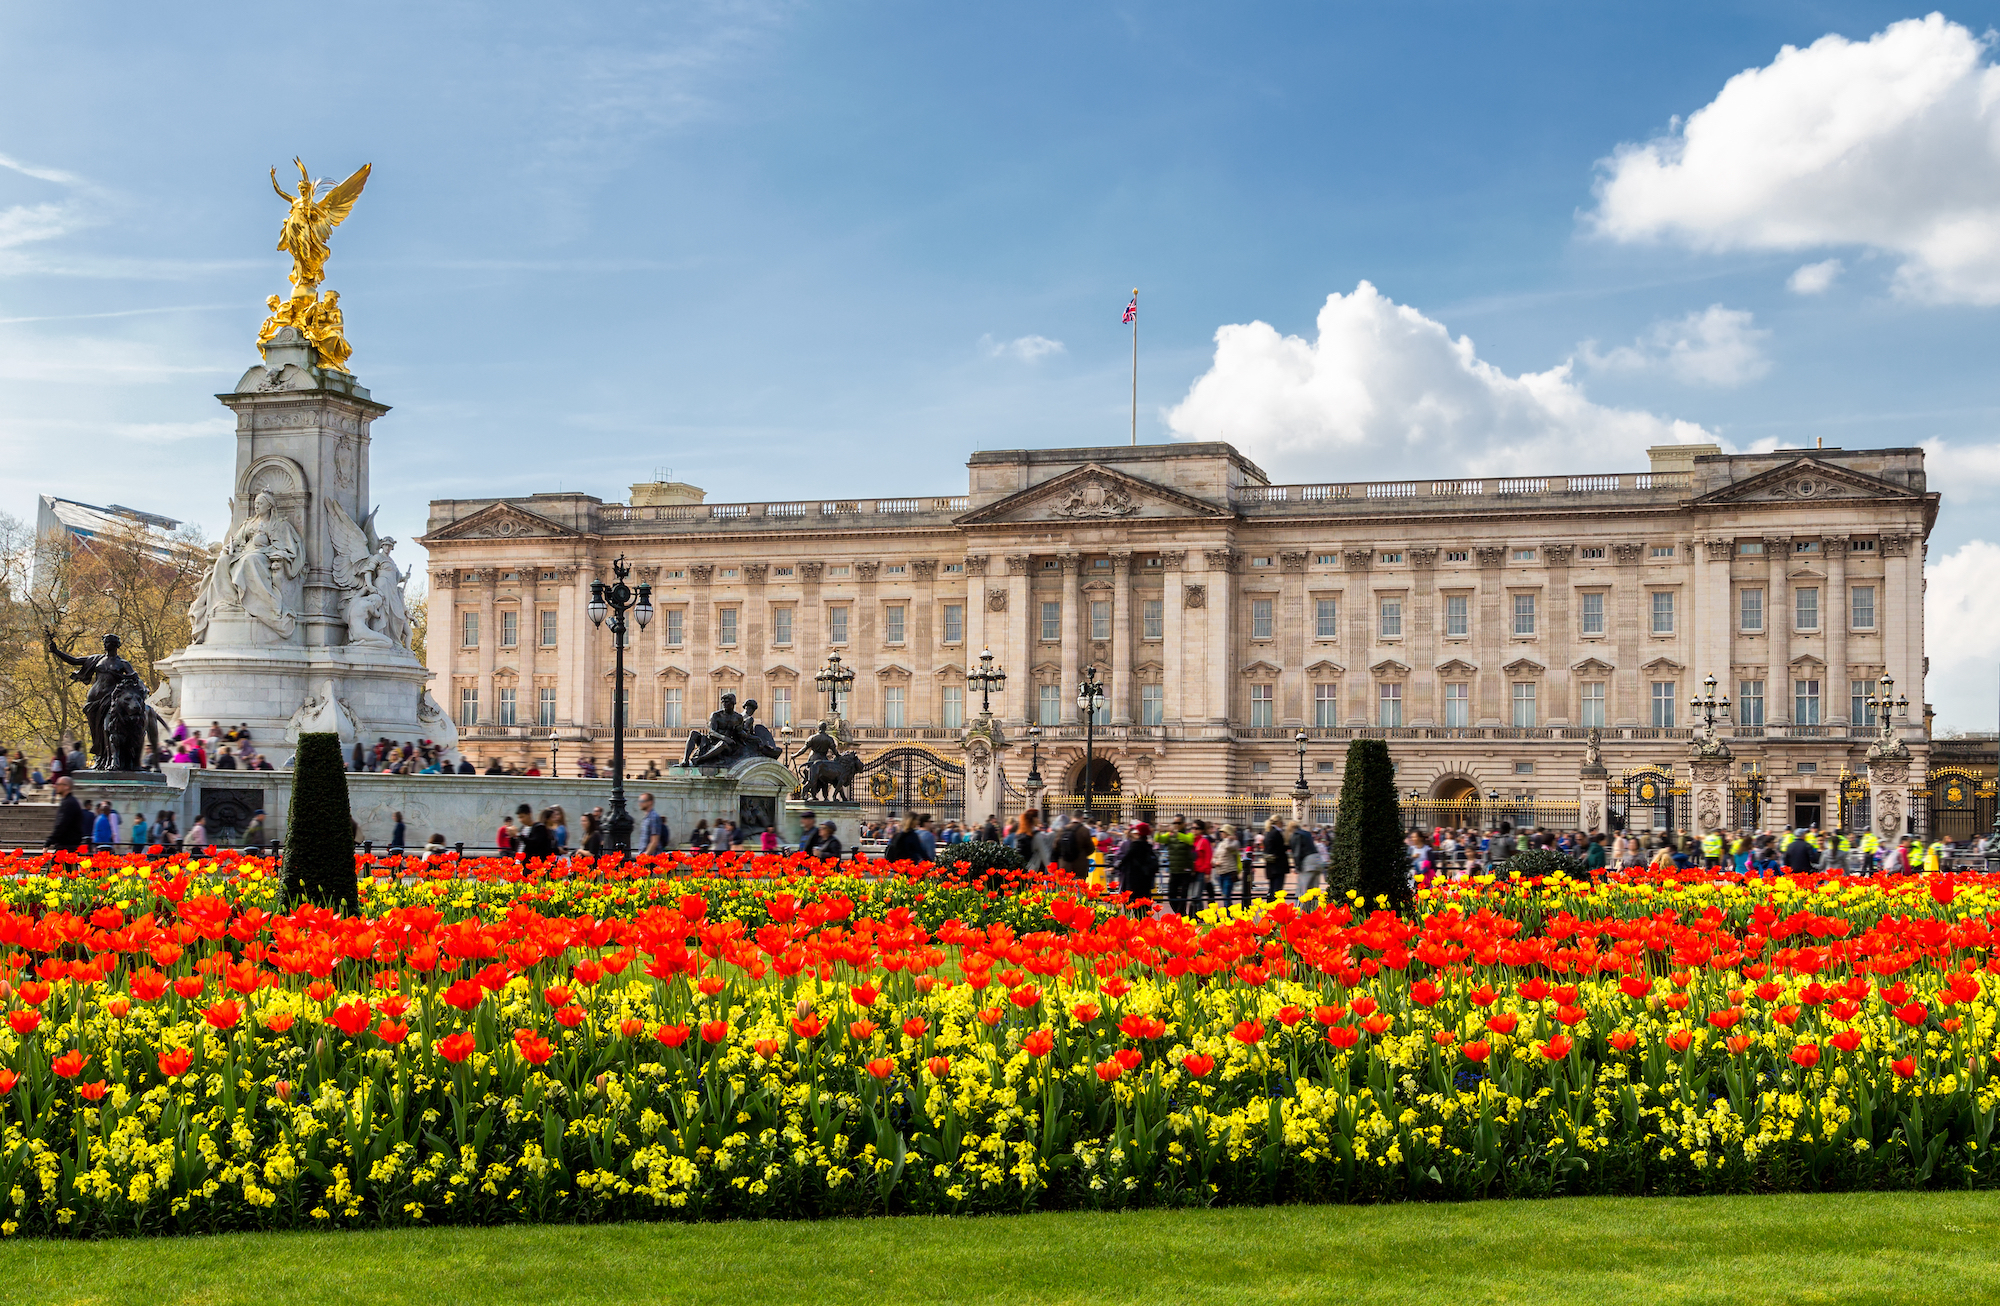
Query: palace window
{"points": [[1458, 703], [1100, 618], [1392, 618], [1807, 602], [784, 573], [1389, 703], [1048, 704], [1749, 548], [545, 706], [1524, 703], [725, 626], [468, 705], [841, 572], [955, 568], [1457, 555], [1591, 553], [670, 708], [1663, 612], [781, 706], [1051, 621], [1152, 619], [954, 623], [507, 705], [1593, 703], [728, 573], [1862, 606], [896, 569], [1260, 562], [1524, 768], [1663, 703], [1524, 555], [1663, 550], [1750, 608], [1749, 702], [1325, 559], [954, 706], [1805, 546], [549, 617], [1593, 613], [468, 626], [892, 705], [1152, 705], [1805, 702], [1326, 618], [1457, 614], [1859, 710], [1524, 614], [510, 628], [676, 626], [781, 625], [1326, 704], [1861, 546], [1260, 618], [1260, 705], [892, 623], [836, 625], [1392, 557]]}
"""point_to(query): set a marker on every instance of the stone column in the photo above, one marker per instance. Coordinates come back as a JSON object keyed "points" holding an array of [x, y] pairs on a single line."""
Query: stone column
{"points": [[1124, 641], [1778, 630], [1902, 624], [1221, 564], [927, 705], [753, 634], [1072, 635], [1714, 606], [700, 697], [1361, 634], [1593, 796], [1174, 598], [1558, 637], [1834, 614], [489, 642], [642, 663], [809, 638], [572, 632], [1496, 629], [977, 597], [1018, 629], [1294, 638], [1424, 623], [866, 624]]}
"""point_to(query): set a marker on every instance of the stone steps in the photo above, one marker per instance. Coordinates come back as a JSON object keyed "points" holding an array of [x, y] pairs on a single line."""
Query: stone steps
{"points": [[26, 825]]}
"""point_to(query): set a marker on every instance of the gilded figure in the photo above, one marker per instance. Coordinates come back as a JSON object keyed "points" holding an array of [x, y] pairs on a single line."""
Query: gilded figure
{"points": [[311, 221], [323, 326]]}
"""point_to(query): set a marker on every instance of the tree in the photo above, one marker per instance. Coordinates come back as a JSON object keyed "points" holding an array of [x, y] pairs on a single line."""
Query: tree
{"points": [[319, 830], [419, 609], [1368, 856], [127, 581]]}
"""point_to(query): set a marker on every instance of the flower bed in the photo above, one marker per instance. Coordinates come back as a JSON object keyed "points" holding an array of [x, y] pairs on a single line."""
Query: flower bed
{"points": [[703, 1037]]}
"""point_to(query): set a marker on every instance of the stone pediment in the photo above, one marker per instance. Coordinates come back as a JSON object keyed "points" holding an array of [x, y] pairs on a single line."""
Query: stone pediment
{"points": [[892, 671], [1390, 667], [502, 521], [671, 673], [1045, 669], [1261, 668], [1524, 667], [1807, 479], [1593, 667], [1662, 664], [781, 673], [726, 672], [1806, 662], [1457, 667], [1149, 668], [1093, 492], [1325, 667], [948, 671]]}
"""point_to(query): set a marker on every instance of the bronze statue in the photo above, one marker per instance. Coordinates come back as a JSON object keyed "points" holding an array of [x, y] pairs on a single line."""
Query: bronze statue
{"points": [[828, 774], [116, 708], [731, 737]]}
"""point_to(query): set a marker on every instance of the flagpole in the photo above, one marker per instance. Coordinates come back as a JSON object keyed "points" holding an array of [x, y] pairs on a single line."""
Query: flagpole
{"points": [[1135, 366]]}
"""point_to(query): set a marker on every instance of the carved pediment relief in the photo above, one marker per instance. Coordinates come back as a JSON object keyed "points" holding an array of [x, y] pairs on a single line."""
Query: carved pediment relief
{"points": [[1662, 664], [892, 671], [503, 521], [1045, 669], [1325, 667], [1524, 667], [1092, 492], [671, 673], [1457, 667], [1151, 667], [726, 672], [949, 671], [781, 674], [1808, 479], [1389, 667], [1260, 669], [1593, 667], [1806, 662]]}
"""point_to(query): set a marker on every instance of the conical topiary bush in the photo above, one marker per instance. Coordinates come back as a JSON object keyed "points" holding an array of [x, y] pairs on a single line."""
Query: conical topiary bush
{"points": [[319, 831], [1368, 855]]}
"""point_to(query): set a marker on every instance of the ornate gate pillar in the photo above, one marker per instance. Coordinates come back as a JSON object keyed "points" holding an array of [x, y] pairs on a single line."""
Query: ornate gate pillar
{"points": [[1593, 796], [985, 788]]}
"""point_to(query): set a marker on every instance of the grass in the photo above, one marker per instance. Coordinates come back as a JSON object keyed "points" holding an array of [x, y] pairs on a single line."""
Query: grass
{"points": [[1899, 1247]]}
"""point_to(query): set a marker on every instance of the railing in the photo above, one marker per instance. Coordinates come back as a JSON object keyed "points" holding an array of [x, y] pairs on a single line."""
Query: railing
{"points": [[1250, 496], [941, 504]]}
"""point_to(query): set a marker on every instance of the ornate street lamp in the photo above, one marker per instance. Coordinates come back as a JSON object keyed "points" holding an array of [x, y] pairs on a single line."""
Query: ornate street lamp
{"points": [[1088, 695], [1707, 706], [1886, 707], [1035, 757], [619, 598], [1300, 787], [989, 678], [555, 746], [832, 678], [785, 733]]}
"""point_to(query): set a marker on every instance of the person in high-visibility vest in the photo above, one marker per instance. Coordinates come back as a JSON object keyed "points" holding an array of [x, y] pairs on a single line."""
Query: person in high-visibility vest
{"points": [[1711, 850], [1934, 856], [1871, 852]]}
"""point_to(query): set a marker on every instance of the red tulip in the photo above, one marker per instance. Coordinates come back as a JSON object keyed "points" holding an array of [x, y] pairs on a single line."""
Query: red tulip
{"points": [[70, 1064], [1806, 1055], [189, 987], [1329, 1015], [938, 1066], [861, 1030], [714, 1031], [672, 1035], [24, 1020], [33, 992], [278, 1021], [1504, 1023], [571, 1016], [807, 1026], [864, 994], [8, 1079], [458, 1047], [1026, 996], [631, 1027], [1738, 1044], [465, 994], [1476, 1051], [1571, 1015], [1724, 1019], [1109, 1070], [351, 1018], [1196, 1065], [1039, 1044], [766, 1048], [1248, 1031], [1343, 1036], [557, 995], [1846, 1040], [534, 1049], [223, 1015], [392, 1032], [1622, 1040], [1424, 993], [147, 984], [176, 1062], [990, 1016], [1914, 1014], [710, 985], [91, 1092], [1905, 1069], [1085, 1012], [1680, 1039], [1557, 1048], [914, 1027]]}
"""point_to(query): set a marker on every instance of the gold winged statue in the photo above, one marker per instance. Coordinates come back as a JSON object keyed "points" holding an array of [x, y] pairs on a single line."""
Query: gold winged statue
{"points": [[308, 225]]}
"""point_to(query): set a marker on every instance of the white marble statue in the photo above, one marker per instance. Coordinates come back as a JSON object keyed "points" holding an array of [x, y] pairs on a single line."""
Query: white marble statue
{"points": [[373, 606], [254, 572], [437, 726], [322, 713]]}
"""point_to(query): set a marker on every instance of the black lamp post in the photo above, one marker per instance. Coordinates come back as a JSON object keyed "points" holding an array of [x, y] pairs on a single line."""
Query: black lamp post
{"points": [[1886, 707], [989, 678], [1088, 695], [1035, 757], [1299, 790], [831, 678], [555, 746], [1707, 706], [785, 733], [618, 598]]}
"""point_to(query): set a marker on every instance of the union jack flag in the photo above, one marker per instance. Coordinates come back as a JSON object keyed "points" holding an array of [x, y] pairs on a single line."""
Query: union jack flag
{"points": [[1132, 309]]}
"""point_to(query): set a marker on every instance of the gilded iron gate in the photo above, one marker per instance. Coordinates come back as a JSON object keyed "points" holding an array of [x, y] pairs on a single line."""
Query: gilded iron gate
{"points": [[907, 779], [1960, 806], [1648, 799]]}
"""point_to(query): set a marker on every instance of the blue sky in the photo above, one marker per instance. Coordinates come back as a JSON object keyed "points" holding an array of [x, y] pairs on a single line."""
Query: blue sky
{"points": [[788, 250]]}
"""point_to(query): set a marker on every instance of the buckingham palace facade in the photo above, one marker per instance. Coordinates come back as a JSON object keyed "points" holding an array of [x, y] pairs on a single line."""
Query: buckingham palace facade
{"points": [[1483, 625]]}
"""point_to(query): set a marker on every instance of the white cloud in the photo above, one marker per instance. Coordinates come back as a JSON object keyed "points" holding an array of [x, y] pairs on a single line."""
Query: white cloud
{"points": [[23, 224], [1891, 143], [1715, 347], [1961, 468], [1385, 392], [1815, 278], [1026, 348], [1962, 635]]}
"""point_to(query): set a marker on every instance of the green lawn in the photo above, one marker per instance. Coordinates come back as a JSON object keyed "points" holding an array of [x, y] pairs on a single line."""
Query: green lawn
{"points": [[1894, 1248]]}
